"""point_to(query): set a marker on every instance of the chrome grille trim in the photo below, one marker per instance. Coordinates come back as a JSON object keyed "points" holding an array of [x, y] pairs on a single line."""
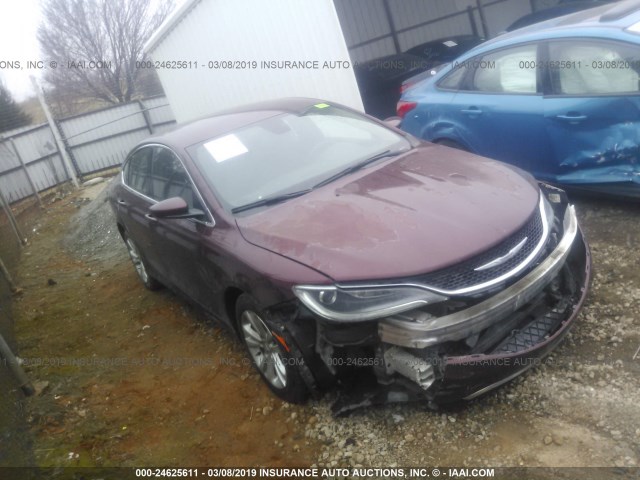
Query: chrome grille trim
{"points": [[459, 325], [511, 273]]}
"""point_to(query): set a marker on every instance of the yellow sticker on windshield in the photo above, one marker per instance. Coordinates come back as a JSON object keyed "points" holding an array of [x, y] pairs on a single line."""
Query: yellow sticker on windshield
{"points": [[321, 105]]}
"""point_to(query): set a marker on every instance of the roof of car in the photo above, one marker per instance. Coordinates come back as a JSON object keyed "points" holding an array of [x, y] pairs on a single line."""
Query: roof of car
{"points": [[559, 10], [619, 15], [196, 131]]}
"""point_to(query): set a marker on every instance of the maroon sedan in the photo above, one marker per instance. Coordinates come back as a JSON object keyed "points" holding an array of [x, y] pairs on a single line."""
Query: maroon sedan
{"points": [[344, 251]]}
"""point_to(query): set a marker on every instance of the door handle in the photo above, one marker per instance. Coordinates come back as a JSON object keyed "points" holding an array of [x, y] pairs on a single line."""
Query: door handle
{"points": [[148, 216], [122, 202], [472, 111], [571, 118]]}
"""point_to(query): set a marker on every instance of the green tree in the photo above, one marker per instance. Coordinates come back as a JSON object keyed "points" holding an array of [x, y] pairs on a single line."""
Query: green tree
{"points": [[11, 115]]}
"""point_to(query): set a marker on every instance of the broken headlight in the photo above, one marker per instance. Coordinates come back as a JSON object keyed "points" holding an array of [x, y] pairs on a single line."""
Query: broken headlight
{"points": [[357, 304]]}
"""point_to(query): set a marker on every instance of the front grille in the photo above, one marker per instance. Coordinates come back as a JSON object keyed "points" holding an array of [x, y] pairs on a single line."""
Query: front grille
{"points": [[534, 332], [463, 275]]}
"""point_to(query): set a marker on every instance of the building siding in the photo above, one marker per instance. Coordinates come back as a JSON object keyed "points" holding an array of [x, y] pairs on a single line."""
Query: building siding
{"points": [[253, 31], [364, 20]]}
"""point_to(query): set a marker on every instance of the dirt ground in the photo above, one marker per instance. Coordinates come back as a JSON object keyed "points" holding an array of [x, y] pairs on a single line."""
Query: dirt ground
{"points": [[132, 377], [15, 438]]}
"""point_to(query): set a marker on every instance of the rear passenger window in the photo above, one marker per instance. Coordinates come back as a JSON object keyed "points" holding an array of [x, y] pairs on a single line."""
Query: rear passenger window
{"points": [[583, 67], [453, 79], [137, 170]]}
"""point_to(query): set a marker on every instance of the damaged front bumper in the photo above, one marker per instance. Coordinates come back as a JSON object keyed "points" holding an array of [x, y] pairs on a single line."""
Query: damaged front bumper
{"points": [[462, 324], [464, 354]]}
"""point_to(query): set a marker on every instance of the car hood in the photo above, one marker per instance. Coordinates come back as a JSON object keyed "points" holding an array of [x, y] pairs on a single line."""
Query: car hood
{"points": [[428, 209]]}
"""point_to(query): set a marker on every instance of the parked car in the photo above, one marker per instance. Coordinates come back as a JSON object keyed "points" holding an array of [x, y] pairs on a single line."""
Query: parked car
{"points": [[560, 99], [445, 50], [344, 251], [553, 12], [380, 79]]}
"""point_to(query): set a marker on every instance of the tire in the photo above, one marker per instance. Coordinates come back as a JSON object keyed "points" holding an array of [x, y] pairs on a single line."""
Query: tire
{"points": [[276, 364], [138, 263], [452, 144]]}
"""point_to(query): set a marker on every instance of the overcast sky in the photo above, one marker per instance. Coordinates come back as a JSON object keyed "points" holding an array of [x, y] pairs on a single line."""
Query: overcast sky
{"points": [[19, 20]]}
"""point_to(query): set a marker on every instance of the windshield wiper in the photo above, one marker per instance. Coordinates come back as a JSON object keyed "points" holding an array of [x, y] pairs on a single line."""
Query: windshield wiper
{"points": [[286, 196], [358, 166], [270, 200]]}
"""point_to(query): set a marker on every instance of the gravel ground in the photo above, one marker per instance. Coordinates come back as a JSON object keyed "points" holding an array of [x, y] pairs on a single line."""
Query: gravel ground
{"points": [[579, 408], [93, 235]]}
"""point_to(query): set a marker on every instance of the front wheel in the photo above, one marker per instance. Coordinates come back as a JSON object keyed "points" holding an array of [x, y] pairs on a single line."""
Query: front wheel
{"points": [[271, 354]]}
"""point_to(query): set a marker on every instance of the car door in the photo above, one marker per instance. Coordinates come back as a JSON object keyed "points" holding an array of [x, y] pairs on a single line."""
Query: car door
{"points": [[177, 242], [134, 199], [499, 107], [592, 110]]}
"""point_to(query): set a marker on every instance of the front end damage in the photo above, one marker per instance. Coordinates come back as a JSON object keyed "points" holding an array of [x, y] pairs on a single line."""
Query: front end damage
{"points": [[494, 319]]}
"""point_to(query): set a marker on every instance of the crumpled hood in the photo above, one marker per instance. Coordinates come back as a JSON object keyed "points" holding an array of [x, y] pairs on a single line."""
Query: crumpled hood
{"points": [[423, 211]]}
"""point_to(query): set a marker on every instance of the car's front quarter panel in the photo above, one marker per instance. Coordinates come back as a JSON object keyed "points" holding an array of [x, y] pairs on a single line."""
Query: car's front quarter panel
{"points": [[230, 262]]}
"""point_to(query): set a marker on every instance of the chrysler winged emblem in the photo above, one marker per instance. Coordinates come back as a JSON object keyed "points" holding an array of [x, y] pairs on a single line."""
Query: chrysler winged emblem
{"points": [[500, 260]]}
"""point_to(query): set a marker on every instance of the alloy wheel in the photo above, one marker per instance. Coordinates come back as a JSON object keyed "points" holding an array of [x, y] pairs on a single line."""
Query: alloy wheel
{"points": [[137, 261], [264, 349]]}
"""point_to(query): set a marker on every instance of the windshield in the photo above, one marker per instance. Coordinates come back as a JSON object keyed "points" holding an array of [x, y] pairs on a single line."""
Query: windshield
{"points": [[288, 152]]}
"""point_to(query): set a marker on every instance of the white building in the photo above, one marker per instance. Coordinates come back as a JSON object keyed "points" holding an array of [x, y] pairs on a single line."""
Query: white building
{"points": [[215, 54]]}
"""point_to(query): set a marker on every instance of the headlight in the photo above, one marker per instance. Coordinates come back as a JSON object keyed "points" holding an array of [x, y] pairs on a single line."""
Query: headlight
{"points": [[354, 304]]}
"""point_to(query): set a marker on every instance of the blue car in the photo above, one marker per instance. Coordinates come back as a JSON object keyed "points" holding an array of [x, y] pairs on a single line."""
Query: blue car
{"points": [[560, 99]]}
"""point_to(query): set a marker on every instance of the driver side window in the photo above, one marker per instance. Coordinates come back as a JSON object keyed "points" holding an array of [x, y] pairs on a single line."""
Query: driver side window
{"points": [[136, 171], [594, 68], [169, 179]]}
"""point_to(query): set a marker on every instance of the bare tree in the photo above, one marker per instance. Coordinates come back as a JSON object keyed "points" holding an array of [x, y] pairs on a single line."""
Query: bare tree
{"points": [[96, 44], [11, 115]]}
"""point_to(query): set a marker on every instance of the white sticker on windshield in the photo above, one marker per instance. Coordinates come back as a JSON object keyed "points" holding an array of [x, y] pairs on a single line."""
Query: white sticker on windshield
{"points": [[450, 43], [226, 147]]}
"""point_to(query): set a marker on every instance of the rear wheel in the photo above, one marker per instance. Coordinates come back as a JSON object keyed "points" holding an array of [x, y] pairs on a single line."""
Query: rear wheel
{"points": [[271, 354], [141, 269]]}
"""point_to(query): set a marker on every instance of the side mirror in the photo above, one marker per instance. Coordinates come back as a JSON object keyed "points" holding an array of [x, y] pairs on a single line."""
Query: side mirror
{"points": [[169, 208], [174, 207], [393, 122]]}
